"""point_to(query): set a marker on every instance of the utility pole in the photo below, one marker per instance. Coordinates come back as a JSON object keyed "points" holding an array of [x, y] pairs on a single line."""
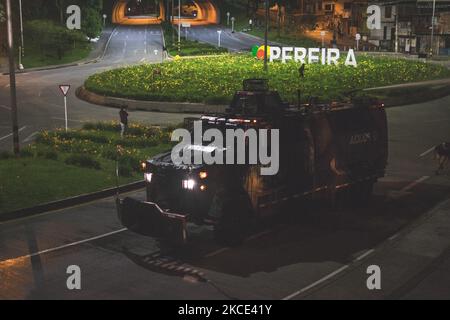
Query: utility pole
{"points": [[12, 80], [22, 47], [266, 35], [432, 27], [179, 25], [396, 29]]}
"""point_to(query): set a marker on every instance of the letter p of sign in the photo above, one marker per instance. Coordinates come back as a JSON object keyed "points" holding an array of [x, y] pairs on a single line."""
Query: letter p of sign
{"points": [[373, 17], [74, 20], [374, 280], [74, 280]]}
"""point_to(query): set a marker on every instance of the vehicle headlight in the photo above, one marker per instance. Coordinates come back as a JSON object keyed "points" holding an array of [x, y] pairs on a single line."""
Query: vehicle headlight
{"points": [[188, 184], [148, 177]]}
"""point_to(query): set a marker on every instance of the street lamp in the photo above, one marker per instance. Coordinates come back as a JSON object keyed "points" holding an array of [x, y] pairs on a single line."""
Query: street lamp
{"points": [[266, 35], [432, 28], [357, 38], [322, 35], [104, 20], [12, 80], [22, 48], [228, 18], [232, 24], [179, 25]]}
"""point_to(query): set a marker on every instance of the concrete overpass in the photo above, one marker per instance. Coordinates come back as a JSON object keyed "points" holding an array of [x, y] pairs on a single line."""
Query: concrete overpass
{"points": [[206, 13]]}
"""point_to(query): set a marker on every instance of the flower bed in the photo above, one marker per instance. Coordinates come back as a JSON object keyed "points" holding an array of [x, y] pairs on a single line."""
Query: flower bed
{"points": [[215, 79]]}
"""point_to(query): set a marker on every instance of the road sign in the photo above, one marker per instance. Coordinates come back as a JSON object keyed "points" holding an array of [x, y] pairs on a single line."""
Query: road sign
{"points": [[322, 33], [219, 32], [357, 37], [64, 89], [186, 25]]}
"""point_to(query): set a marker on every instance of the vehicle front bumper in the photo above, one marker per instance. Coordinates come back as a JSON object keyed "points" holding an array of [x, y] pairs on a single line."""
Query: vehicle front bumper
{"points": [[148, 219]]}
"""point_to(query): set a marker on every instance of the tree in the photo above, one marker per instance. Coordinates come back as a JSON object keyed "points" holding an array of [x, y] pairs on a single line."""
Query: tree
{"points": [[60, 5], [2, 13], [91, 22]]}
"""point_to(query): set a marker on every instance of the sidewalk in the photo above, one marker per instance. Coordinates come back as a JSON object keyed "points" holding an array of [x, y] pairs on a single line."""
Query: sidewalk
{"points": [[414, 264], [94, 56]]}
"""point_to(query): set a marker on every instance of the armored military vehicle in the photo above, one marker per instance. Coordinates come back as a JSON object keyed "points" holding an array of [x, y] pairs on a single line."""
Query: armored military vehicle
{"points": [[325, 150]]}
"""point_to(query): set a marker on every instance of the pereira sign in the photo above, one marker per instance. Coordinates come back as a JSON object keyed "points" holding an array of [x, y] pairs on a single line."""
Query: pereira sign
{"points": [[325, 56]]}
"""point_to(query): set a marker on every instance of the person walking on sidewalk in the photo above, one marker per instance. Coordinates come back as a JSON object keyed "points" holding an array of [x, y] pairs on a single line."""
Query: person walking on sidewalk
{"points": [[123, 121]]}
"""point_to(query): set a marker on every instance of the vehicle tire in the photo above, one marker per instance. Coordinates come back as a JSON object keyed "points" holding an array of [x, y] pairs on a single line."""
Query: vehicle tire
{"points": [[235, 222]]}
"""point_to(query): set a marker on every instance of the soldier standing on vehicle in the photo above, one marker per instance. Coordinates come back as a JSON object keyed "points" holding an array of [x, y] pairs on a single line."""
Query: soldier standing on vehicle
{"points": [[123, 121]]}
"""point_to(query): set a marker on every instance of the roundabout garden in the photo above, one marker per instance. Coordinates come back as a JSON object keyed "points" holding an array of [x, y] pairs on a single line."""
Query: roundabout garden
{"points": [[213, 80]]}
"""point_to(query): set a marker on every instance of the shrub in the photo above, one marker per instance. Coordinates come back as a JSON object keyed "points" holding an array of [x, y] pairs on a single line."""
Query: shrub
{"points": [[109, 153], [102, 126], [91, 24], [50, 36], [49, 154], [26, 153], [5, 155], [131, 162], [125, 171], [82, 160]]}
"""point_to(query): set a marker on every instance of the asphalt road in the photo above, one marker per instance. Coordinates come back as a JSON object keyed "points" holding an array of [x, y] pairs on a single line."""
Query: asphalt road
{"points": [[280, 258], [41, 104], [233, 41]]}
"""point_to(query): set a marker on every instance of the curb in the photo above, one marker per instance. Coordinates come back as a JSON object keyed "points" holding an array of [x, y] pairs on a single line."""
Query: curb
{"points": [[154, 106], [436, 89], [412, 93], [73, 64], [69, 202]]}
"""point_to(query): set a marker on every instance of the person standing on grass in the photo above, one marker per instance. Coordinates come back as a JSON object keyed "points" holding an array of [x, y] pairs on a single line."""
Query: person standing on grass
{"points": [[123, 121]]}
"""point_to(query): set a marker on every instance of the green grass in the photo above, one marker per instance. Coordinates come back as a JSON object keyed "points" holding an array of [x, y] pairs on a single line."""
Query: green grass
{"points": [[187, 47], [30, 181], [215, 80], [194, 48], [42, 173], [34, 57]]}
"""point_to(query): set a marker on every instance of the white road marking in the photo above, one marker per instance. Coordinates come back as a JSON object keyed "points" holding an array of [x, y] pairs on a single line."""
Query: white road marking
{"points": [[314, 284], [215, 253], [258, 235], [142, 60], [68, 245], [426, 152], [414, 183], [30, 136], [365, 254], [438, 120], [394, 236], [9, 135], [5, 107]]}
